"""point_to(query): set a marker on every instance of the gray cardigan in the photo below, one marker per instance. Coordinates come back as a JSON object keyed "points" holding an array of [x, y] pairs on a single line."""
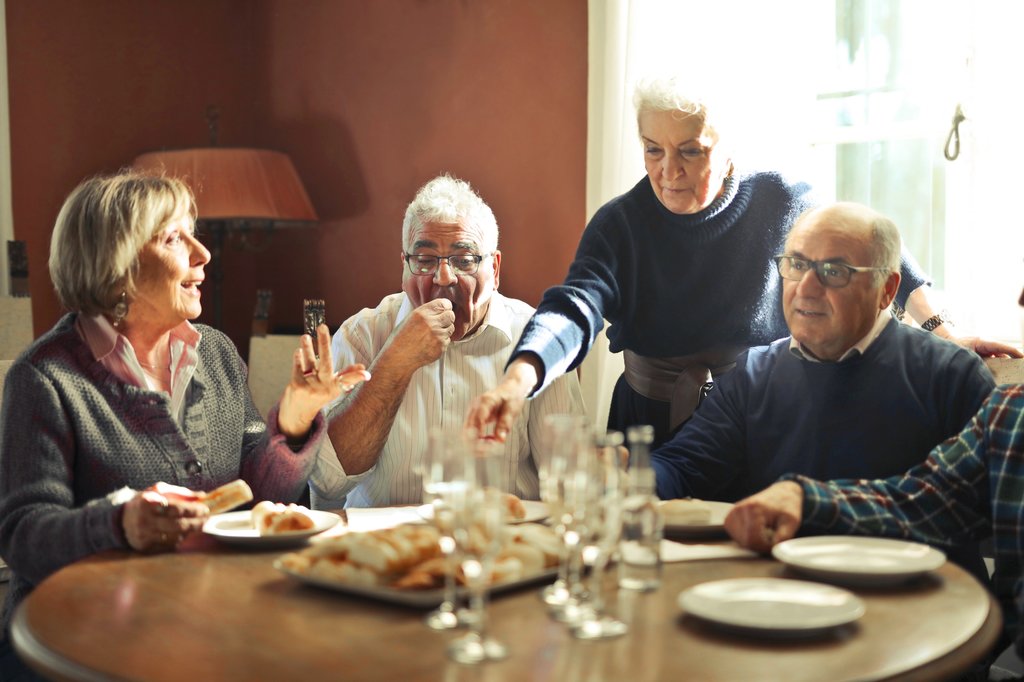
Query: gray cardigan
{"points": [[71, 433]]}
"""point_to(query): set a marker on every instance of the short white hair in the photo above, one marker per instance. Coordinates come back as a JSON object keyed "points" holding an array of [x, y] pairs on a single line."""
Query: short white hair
{"points": [[670, 93], [450, 201]]}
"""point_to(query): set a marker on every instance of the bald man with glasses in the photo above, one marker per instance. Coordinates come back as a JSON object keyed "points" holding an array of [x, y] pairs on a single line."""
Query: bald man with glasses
{"points": [[852, 393], [431, 348]]}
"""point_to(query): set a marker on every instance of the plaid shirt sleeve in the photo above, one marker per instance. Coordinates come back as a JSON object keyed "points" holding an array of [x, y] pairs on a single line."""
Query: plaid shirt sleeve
{"points": [[972, 485]]}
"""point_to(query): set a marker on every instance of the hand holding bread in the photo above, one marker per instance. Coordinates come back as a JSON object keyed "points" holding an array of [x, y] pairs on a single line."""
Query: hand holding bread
{"points": [[161, 516]]}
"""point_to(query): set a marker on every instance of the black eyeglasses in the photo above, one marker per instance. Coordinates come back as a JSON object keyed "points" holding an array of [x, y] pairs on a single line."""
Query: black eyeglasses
{"points": [[426, 266], [830, 273]]}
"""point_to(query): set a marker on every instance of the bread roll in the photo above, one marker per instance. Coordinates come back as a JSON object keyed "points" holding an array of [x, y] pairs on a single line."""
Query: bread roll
{"points": [[686, 512], [272, 518], [514, 507], [228, 496], [541, 538]]}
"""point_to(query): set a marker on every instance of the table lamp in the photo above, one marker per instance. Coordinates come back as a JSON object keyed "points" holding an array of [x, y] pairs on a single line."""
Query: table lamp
{"points": [[237, 191]]}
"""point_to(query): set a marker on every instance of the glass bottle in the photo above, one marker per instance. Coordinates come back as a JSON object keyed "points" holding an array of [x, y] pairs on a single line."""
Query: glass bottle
{"points": [[643, 524]]}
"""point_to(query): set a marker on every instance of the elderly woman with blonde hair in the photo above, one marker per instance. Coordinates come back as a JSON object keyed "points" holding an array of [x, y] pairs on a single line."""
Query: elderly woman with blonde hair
{"points": [[124, 392], [681, 267]]}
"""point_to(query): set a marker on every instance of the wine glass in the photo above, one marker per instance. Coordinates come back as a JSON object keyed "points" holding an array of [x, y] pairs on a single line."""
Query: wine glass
{"points": [[445, 476], [479, 531], [565, 436], [599, 524]]}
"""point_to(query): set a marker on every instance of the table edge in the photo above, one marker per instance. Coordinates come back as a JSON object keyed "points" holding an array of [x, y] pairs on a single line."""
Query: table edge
{"points": [[44, 660]]}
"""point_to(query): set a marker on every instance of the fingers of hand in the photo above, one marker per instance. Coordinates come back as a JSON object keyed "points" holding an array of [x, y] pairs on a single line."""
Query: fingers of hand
{"points": [[350, 377], [480, 412], [323, 339]]}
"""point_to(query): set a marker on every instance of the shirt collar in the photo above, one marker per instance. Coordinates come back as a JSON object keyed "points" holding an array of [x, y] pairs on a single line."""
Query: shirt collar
{"points": [[103, 338], [859, 348]]}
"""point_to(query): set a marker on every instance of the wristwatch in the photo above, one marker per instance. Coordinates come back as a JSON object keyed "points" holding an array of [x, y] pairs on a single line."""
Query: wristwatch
{"points": [[935, 320]]}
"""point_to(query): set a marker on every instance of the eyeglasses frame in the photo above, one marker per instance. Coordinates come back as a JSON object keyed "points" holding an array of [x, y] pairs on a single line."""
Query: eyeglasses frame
{"points": [[816, 266], [478, 257]]}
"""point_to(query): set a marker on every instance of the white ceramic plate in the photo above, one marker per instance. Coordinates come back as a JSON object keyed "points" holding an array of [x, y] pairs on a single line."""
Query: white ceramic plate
{"points": [[424, 599], [235, 528], [714, 526], [772, 607], [860, 561], [535, 512]]}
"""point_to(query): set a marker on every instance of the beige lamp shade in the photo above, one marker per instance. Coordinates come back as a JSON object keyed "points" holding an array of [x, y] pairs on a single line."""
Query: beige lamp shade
{"points": [[236, 184]]}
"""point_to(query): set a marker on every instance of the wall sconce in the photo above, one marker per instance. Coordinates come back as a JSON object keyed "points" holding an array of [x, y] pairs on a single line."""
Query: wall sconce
{"points": [[237, 191]]}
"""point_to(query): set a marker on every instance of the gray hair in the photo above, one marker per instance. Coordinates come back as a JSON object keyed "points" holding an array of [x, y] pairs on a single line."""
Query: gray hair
{"points": [[100, 230], [886, 246], [449, 201], [666, 93]]}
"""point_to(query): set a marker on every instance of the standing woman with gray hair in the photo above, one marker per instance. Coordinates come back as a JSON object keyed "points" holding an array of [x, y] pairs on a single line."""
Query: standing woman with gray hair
{"points": [[681, 267], [124, 392]]}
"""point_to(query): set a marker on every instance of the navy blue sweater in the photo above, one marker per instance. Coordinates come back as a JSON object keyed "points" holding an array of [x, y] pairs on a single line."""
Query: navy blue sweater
{"points": [[673, 284], [870, 416]]}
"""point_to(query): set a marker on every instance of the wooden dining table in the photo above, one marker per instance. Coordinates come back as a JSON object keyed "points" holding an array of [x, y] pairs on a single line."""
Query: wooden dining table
{"points": [[223, 613]]}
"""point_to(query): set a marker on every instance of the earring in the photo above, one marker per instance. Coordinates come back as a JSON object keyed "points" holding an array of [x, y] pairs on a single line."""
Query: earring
{"points": [[121, 309]]}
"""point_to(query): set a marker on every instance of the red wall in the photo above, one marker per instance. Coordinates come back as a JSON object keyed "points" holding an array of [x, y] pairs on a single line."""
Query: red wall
{"points": [[371, 99]]}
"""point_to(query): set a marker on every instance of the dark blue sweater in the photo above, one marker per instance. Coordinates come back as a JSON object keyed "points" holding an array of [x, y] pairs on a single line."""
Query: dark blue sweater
{"points": [[672, 285], [870, 416]]}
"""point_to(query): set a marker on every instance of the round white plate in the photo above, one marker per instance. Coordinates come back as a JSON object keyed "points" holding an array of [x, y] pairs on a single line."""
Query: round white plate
{"points": [[235, 528], [772, 607], [535, 511], [860, 561], [714, 526]]}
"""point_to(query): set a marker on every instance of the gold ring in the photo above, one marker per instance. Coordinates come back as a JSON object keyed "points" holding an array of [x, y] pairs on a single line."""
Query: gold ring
{"points": [[164, 537]]}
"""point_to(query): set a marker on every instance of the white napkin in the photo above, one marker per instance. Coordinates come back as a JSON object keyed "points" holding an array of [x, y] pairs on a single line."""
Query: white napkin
{"points": [[381, 517], [677, 551]]}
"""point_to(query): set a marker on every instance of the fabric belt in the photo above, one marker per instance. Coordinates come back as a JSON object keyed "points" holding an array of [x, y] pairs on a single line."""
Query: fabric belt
{"points": [[678, 381]]}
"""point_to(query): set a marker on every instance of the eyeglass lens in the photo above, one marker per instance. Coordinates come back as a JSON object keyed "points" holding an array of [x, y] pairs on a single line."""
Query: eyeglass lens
{"points": [[428, 265], [829, 274]]}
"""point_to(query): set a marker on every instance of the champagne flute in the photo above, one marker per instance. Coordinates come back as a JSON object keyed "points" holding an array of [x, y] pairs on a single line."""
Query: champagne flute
{"points": [[445, 477], [600, 526], [479, 531], [564, 435]]}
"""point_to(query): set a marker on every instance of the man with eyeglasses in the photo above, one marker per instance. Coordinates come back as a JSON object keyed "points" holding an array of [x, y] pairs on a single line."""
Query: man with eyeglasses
{"points": [[969, 488], [852, 392], [431, 348]]}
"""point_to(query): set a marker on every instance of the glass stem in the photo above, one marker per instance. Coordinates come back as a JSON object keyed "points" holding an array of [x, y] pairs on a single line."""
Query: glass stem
{"points": [[477, 604], [449, 582], [563, 563], [573, 579], [596, 579]]}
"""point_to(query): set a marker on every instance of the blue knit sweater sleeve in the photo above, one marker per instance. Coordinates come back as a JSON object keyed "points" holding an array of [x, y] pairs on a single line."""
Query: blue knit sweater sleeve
{"points": [[672, 284]]}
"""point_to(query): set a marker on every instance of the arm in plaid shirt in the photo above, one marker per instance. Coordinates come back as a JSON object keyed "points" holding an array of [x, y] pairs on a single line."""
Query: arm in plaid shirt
{"points": [[970, 486]]}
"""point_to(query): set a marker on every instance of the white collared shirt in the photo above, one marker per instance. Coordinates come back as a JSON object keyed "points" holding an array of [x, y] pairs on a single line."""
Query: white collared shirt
{"points": [[797, 349], [439, 394], [114, 351]]}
